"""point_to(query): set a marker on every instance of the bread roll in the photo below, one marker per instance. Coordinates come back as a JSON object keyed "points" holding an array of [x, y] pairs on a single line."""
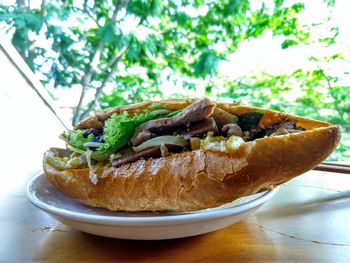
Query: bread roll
{"points": [[198, 179]]}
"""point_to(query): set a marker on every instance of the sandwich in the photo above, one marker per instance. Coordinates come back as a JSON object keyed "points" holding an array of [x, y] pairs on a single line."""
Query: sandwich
{"points": [[184, 155]]}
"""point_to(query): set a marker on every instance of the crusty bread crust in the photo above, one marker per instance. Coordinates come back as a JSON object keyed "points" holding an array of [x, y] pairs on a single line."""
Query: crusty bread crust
{"points": [[196, 180]]}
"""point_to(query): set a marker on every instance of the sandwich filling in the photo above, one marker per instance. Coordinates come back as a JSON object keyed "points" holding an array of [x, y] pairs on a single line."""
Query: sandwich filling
{"points": [[159, 132]]}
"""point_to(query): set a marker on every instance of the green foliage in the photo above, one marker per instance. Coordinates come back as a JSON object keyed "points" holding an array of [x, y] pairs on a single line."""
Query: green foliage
{"points": [[207, 64], [23, 22], [186, 36], [112, 100], [126, 50]]}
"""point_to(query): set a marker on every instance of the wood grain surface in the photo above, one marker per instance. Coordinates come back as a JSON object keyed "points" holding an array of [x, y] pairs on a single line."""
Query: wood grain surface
{"points": [[306, 221]]}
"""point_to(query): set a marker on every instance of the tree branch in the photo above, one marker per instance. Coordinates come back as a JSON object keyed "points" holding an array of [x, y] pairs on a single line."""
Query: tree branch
{"points": [[99, 90], [86, 80], [43, 8], [93, 65], [115, 60], [87, 11]]}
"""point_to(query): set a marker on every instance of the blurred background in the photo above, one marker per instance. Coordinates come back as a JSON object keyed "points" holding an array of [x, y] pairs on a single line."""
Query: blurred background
{"points": [[291, 56]]}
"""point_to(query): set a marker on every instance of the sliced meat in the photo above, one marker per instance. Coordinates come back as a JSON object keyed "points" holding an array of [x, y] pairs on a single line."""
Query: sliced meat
{"points": [[232, 129], [164, 150], [198, 129], [143, 136], [198, 111], [285, 127], [61, 152], [152, 152], [133, 157]]}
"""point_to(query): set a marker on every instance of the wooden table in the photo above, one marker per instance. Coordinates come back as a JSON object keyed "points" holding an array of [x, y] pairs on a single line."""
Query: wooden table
{"points": [[308, 220]]}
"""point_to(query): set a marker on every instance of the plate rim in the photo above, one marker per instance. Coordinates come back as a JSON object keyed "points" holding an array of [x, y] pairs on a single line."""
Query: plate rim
{"points": [[203, 215]]}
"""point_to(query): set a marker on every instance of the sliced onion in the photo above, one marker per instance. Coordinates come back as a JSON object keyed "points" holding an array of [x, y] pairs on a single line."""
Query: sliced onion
{"points": [[92, 174], [223, 117], [157, 141], [160, 111], [74, 149], [92, 144]]}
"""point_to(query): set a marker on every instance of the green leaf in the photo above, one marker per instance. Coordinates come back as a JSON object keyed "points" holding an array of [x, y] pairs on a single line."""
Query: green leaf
{"points": [[77, 139], [119, 129], [182, 18], [234, 7], [188, 85], [134, 49], [140, 8], [112, 100], [150, 45], [20, 40], [156, 7], [289, 42], [207, 64], [108, 33], [297, 7]]}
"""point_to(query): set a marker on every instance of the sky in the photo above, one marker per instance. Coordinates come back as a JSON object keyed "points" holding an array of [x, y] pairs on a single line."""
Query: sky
{"points": [[266, 54]]}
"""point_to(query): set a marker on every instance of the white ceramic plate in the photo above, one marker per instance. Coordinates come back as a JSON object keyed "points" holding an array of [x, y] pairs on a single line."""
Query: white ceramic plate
{"points": [[139, 225]]}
